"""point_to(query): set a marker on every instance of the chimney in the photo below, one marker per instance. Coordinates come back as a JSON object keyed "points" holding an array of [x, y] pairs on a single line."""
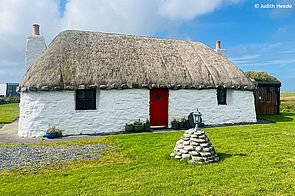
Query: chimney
{"points": [[220, 51], [218, 44], [36, 28], [34, 47]]}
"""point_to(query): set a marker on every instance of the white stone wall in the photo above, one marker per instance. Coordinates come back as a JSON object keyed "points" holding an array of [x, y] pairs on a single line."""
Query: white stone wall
{"points": [[34, 48], [240, 106], [38, 110]]}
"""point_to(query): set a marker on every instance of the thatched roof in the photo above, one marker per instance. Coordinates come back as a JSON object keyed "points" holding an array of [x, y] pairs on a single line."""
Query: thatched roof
{"points": [[106, 61], [261, 76]]}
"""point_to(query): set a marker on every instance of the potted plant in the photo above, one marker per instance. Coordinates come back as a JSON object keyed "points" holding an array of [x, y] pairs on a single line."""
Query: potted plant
{"points": [[186, 124], [182, 122], [52, 133], [138, 126], [175, 124], [129, 127], [147, 125]]}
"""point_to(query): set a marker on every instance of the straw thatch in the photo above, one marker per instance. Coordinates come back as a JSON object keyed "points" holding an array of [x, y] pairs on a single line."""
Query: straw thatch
{"points": [[106, 61]]}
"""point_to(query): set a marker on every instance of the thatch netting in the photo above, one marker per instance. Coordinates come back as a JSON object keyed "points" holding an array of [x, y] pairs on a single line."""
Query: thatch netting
{"points": [[107, 60]]}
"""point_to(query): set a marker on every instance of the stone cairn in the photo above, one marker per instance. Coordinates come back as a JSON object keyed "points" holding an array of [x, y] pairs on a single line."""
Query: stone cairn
{"points": [[195, 147]]}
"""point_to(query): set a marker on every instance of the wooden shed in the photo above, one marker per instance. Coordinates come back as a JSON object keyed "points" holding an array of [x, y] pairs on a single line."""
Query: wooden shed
{"points": [[267, 93]]}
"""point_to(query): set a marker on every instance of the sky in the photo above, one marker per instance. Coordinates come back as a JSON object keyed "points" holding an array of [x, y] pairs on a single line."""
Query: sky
{"points": [[256, 37]]}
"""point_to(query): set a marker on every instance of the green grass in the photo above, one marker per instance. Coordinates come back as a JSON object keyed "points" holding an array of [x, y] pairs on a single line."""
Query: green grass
{"points": [[8, 112], [288, 101], [255, 160]]}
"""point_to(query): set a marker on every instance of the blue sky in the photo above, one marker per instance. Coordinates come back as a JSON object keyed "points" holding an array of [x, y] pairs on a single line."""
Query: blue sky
{"points": [[256, 38]]}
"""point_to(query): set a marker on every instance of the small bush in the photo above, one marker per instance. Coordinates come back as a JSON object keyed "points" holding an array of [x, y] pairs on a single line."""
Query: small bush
{"points": [[4, 100]]}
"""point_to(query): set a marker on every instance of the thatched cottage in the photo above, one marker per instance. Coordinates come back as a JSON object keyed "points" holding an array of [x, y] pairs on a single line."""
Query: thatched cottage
{"points": [[89, 82]]}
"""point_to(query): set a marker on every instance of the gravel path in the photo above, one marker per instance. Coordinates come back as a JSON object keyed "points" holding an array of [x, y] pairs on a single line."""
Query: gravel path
{"points": [[35, 157]]}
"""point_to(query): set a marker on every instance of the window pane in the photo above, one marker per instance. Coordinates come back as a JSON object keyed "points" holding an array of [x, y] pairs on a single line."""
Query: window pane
{"points": [[80, 94], [86, 99], [221, 96], [89, 94]]}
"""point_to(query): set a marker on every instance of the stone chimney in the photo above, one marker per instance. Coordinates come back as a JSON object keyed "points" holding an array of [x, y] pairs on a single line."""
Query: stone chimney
{"points": [[34, 47], [218, 44], [36, 28], [220, 51]]}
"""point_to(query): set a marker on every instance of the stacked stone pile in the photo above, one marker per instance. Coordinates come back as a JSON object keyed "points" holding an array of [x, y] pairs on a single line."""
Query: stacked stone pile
{"points": [[195, 147]]}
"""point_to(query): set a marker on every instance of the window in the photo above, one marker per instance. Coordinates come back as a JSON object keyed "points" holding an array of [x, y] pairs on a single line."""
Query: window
{"points": [[86, 99], [221, 96]]}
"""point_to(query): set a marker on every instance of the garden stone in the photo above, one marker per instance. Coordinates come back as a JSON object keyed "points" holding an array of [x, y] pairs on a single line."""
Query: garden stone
{"points": [[197, 158], [205, 154], [179, 142], [188, 148], [198, 148], [182, 151], [207, 149], [187, 135], [195, 147], [194, 139], [194, 136], [186, 156], [204, 144], [194, 153], [172, 154], [200, 140], [199, 132], [179, 146], [185, 138]]}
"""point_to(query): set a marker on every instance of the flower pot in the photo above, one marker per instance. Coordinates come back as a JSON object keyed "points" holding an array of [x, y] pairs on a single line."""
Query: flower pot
{"points": [[147, 127], [175, 125], [129, 128], [51, 135], [180, 125], [138, 128], [186, 124]]}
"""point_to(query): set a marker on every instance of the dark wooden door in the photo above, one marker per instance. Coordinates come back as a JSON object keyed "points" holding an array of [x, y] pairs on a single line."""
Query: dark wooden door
{"points": [[266, 100], [159, 107]]}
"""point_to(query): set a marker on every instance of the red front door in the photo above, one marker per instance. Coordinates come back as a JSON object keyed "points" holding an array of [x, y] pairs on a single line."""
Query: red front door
{"points": [[159, 107]]}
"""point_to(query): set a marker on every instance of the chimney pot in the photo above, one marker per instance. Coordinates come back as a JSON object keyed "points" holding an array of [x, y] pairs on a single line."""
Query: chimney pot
{"points": [[36, 29], [218, 43]]}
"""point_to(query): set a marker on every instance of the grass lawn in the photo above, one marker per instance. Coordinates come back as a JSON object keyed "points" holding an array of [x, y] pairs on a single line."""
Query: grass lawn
{"points": [[288, 101], [255, 160], [8, 112]]}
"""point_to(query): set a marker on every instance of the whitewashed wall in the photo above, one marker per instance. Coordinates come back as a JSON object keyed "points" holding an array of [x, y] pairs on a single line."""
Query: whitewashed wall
{"points": [[57, 108], [240, 106], [38, 110]]}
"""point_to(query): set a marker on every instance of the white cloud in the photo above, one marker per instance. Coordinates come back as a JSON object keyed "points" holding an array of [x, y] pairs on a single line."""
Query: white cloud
{"points": [[16, 18], [274, 54], [142, 17], [189, 9], [124, 16]]}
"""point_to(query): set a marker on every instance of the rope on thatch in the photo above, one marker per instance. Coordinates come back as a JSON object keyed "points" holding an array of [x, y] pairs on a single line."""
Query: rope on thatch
{"points": [[113, 61]]}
